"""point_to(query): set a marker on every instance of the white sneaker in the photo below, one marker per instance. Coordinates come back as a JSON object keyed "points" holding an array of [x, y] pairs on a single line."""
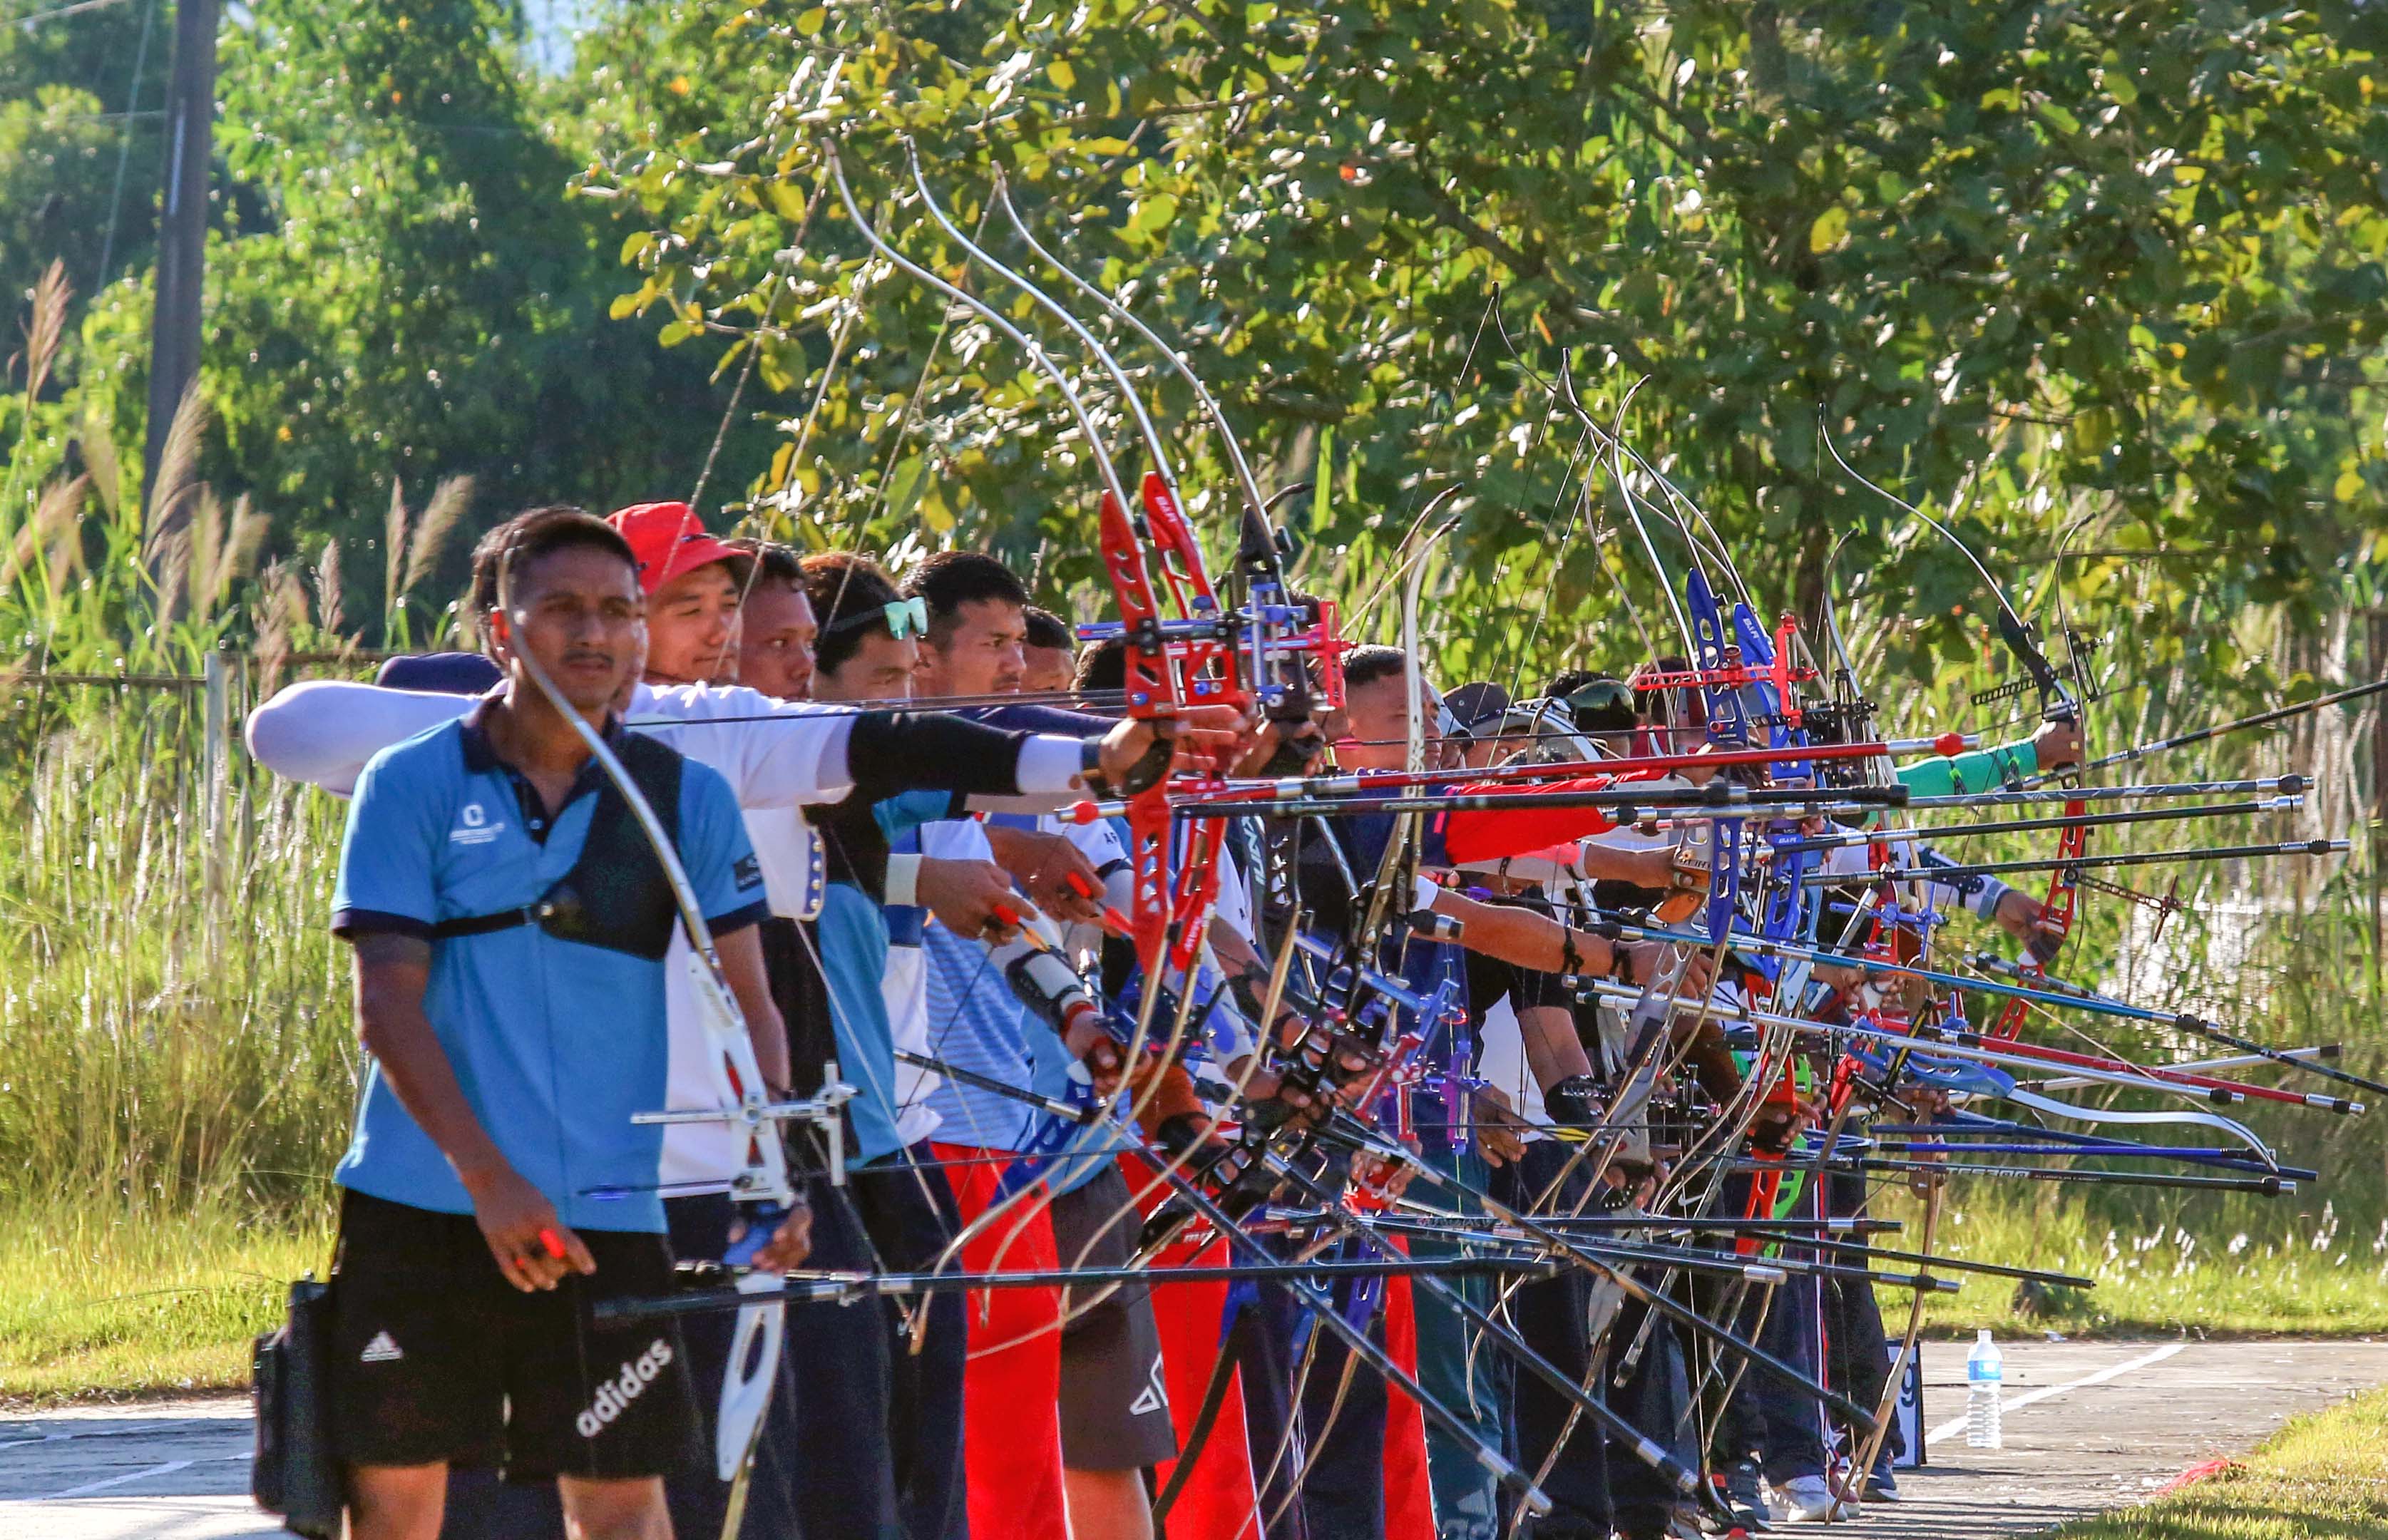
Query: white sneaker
{"points": [[1810, 1500]]}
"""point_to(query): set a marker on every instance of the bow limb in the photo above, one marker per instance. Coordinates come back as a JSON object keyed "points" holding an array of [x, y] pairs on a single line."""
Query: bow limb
{"points": [[1255, 505], [1151, 854], [1398, 864], [2063, 895], [1613, 436], [2185, 1116], [2057, 704]]}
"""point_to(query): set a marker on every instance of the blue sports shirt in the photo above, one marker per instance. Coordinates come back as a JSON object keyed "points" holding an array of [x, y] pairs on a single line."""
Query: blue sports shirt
{"points": [[555, 1043]]}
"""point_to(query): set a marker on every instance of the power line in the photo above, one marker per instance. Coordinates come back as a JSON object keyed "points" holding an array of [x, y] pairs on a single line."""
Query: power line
{"points": [[30, 22], [124, 149]]}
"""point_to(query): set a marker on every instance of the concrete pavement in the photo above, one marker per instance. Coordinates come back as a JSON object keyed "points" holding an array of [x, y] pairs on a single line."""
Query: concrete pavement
{"points": [[2089, 1426]]}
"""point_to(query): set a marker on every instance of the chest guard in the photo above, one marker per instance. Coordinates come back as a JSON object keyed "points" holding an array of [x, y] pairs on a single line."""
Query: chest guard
{"points": [[616, 896]]}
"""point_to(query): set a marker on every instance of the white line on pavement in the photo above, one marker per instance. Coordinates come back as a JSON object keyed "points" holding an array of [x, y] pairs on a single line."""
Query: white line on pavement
{"points": [[1956, 1425], [89, 1487]]}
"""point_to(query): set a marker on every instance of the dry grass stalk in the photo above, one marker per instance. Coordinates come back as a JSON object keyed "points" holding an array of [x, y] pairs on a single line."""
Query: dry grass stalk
{"points": [[282, 609], [46, 328], [327, 586], [21, 552], [178, 464], [98, 448], [205, 549], [393, 544], [448, 504], [238, 558], [173, 564], [54, 516]]}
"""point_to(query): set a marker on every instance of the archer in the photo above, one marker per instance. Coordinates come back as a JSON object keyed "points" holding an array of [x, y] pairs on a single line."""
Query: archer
{"points": [[510, 924]]}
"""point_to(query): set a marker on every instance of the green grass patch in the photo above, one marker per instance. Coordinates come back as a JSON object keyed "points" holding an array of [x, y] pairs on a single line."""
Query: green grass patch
{"points": [[95, 1308], [2325, 1473], [2297, 1275]]}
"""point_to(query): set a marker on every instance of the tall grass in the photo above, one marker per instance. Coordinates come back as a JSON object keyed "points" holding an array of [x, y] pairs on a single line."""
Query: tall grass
{"points": [[174, 1019]]}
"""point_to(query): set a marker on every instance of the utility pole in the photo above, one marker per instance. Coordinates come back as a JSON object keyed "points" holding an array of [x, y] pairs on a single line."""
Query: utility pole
{"points": [[182, 229]]}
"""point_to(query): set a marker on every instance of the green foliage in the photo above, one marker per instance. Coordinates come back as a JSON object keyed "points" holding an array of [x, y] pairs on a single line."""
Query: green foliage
{"points": [[399, 287], [422, 299], [67, 85], [57, 162], [2121, 270]]}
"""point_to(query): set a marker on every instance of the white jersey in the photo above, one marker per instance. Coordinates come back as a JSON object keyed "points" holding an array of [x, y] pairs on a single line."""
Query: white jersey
{"points": [[1501, 1061], [906, 986]]}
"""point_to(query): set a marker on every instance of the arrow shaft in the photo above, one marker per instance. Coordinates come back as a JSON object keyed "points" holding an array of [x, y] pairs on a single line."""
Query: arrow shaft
{"points": [[2078, 863], [1930, 831]]}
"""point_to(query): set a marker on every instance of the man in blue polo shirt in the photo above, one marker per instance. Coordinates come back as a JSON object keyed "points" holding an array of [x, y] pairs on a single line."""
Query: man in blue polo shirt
{"points": [[509, 923]]}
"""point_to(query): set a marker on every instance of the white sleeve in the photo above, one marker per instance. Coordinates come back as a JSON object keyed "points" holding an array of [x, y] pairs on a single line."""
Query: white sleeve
{"points": [[1051, 766], [322, 732], [1235, 901], [1050, 774], [773, 753], [904, 877], [956, 839], [1098, 840]]}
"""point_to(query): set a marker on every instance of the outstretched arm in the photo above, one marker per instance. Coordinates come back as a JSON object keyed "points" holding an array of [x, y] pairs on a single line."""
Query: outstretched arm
{"points": [[1524, 936], [322, 732]]}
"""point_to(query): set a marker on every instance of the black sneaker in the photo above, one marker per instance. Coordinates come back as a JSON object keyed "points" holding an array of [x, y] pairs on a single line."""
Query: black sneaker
{"points": [[1743, 1495]]}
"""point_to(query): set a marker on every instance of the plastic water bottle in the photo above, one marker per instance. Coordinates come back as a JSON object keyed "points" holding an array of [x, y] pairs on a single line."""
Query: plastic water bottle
{"points": [[1985, 1373]]}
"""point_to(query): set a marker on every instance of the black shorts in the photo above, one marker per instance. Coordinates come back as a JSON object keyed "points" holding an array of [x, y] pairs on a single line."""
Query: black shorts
{"points": [[435, 1357], [1114, 1397]]}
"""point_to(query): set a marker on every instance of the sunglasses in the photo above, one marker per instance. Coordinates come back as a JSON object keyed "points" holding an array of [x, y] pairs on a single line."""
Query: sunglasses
{"points": [[1604, 703], [905, 617]]}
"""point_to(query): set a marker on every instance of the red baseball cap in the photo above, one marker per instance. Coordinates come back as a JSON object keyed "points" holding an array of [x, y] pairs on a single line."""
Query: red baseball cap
{"points": [[667, 540]]}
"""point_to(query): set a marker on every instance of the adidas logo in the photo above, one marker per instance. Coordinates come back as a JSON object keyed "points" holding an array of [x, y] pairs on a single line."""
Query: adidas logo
{"points": [[614, 1397], [381, 1350], [1155, 1397]]}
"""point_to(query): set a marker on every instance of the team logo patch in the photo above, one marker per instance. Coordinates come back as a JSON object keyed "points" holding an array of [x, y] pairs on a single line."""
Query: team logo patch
{"points": [[381, 1350], [614, 1397], [748, 872], [474, 827]]}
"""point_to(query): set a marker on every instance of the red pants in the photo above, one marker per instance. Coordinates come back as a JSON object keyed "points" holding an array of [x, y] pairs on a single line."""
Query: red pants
{"points": [[1218, 1500], [1409, 1500], [1012, 1390]]}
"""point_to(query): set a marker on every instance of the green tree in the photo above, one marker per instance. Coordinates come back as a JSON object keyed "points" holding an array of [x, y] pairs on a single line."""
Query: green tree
{"points": [[78, 172], [2120, 269], [407, 292]]}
